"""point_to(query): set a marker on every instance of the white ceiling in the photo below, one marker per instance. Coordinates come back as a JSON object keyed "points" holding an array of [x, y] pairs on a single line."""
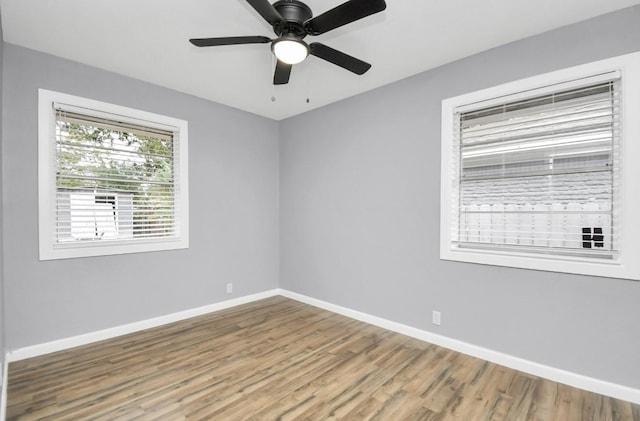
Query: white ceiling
{"points": [[147, 40]]}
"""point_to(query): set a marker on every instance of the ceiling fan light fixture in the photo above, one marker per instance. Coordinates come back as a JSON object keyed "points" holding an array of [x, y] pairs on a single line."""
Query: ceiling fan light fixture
{"points": [[292, 21], [290, 50]]}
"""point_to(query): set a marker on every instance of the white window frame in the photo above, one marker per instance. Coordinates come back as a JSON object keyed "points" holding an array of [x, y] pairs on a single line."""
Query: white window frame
{"points": [[49, 250], [627, 264]]}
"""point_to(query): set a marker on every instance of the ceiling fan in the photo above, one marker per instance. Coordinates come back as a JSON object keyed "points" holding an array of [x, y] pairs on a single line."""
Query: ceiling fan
{"points": [[292, 20]]}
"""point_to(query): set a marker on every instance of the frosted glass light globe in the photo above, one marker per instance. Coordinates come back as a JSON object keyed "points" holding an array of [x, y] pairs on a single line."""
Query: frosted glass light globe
{"points": [[290, 51]]}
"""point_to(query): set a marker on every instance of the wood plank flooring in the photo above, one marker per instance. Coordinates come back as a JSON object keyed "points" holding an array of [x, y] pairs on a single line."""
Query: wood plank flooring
{"points": [[278, 359]]}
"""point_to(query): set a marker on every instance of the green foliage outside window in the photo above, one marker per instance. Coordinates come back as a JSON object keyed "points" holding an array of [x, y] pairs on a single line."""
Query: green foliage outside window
{"points": [[91, 158]]}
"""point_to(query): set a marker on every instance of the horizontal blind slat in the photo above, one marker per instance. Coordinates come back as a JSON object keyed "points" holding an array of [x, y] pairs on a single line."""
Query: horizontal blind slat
{"points": [[111, 123], [538, 174], [115, 180]]}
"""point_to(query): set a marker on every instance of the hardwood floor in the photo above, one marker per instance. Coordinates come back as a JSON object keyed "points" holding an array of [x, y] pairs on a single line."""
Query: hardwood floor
{"points": [[279, 359]]}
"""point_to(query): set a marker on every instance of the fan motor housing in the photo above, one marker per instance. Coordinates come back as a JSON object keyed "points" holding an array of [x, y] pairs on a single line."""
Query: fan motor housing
{"points": [[295, 13]]}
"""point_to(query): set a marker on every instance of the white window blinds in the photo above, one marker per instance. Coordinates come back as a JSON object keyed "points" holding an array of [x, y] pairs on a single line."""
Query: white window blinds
{"points": [[540, 172], [115, 180]]}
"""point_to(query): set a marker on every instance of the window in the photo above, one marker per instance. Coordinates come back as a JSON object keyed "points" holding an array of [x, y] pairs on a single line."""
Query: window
{"points": [[112, 180], [539, 173]]}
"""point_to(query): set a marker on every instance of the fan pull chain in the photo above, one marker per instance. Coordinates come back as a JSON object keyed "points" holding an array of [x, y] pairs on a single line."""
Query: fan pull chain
{"points": [[306, 70]]}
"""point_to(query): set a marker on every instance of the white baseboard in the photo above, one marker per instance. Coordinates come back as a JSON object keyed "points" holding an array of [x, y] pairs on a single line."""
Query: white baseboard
{"points": [[3, 397], [557, 375], [87, 338]]}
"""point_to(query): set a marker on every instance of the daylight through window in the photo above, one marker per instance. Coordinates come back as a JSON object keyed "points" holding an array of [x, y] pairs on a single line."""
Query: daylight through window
{"points": [[539, 174], [112, 179]]}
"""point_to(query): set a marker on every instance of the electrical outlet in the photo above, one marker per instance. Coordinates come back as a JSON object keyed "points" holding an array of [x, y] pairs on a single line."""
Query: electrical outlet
{"points": [[229, 288], [435, 318]]}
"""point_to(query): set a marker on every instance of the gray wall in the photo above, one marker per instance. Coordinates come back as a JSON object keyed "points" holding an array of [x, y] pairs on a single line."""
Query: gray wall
{"points": [[233, 175], [2, 319], [359, 218], [359, 215]]}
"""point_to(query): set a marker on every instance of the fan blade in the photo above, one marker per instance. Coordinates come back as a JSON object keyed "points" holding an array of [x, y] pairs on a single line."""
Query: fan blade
{"points": [[339, 58], [267, 11], [282, 73], [343, 14], [212, 42]]}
